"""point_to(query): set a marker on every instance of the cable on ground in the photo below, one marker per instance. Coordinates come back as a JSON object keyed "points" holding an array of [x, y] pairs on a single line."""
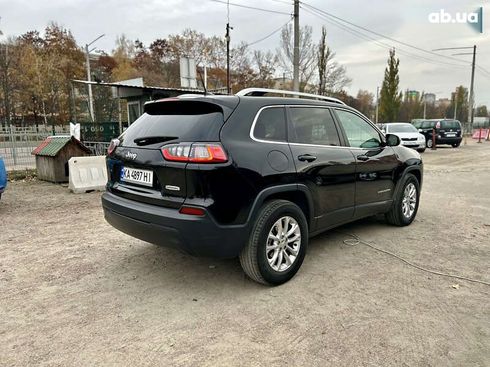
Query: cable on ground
{"points": [[355, 240]]}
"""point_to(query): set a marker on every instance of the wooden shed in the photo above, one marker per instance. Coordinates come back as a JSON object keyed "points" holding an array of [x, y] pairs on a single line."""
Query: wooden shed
{"points": [[52, 157]]}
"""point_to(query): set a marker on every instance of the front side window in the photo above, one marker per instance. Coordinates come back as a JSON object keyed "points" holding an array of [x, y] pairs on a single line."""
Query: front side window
{"points": [[312, 125], [360, 133], [271, 125], [428, 124]]}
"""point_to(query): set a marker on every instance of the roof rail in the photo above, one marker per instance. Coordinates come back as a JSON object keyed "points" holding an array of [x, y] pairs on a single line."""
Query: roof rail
{"points": [[262, 91]]}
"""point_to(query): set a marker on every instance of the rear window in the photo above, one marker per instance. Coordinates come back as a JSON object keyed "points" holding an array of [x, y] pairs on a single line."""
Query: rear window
{"points": [[452, 124], [175, 121]]}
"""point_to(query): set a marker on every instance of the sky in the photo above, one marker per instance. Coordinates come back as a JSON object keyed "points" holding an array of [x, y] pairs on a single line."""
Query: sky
{"points": [[402, 20]]}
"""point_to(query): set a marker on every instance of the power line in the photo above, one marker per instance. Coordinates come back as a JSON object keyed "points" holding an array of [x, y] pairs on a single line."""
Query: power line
{"points": [[283, 2], [377, 42], [270, 34], [482, 69], [379, 34], [251, 7], [482, 72]]}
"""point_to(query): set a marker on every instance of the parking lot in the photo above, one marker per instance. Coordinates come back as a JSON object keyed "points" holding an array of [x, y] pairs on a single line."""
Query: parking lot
{"points": [[75, 291]]}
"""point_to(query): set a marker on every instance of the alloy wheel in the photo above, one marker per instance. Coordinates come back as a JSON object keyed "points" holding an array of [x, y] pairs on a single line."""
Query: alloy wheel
{"points": [[409, 200], [283, 243]]}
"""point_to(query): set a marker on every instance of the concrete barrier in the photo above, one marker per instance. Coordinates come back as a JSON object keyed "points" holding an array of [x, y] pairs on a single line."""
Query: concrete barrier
{"points": [[87, 174]]}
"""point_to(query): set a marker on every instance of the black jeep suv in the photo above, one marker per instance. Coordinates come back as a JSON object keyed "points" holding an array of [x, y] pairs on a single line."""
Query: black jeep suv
{"points": [[255, 176]]}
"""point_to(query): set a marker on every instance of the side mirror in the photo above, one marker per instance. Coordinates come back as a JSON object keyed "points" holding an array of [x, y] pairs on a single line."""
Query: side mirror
{"points": [[392, 140]]}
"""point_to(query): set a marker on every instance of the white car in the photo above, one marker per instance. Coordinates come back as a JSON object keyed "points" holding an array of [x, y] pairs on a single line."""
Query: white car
{"points": [[408, 134]]}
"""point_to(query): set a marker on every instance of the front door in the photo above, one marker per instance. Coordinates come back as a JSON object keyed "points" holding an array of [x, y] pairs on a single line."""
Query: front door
{"points": [[375, 163], [326, 168]]}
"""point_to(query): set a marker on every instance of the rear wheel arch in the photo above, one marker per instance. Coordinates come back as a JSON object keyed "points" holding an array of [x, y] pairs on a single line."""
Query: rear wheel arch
{"points": [[295, 193]]}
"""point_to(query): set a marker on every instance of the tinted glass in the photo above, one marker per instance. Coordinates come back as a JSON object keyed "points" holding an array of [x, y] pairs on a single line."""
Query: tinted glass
{"points": [[417, 124], [451, 124], [401, 128], [360, 133], [271, 125], [180, 121], [428, 124], [313, 126]]}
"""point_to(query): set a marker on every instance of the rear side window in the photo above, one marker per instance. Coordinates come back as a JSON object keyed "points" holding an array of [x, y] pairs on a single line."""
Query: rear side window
{"points": [[271, 124], [180, 121], [312, 125]]}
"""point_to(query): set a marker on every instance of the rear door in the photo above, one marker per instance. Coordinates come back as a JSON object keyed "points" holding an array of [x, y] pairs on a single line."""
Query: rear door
{"points": [[375, 162], [322, 164], [138, 169]]}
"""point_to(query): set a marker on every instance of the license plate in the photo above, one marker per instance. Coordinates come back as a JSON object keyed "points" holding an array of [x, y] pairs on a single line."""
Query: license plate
{"points": [[139, 176], [450, 134]]}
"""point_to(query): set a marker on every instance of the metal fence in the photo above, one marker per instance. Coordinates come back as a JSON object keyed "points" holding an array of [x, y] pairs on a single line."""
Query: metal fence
{"points": [[17, 143], [97, 147]]}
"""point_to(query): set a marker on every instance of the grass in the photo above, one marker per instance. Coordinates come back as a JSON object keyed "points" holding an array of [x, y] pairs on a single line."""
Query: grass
{"points": [[25, 174]]}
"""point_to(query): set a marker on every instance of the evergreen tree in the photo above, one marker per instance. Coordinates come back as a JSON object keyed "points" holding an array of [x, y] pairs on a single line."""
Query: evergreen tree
{"points": [[390, 97]]}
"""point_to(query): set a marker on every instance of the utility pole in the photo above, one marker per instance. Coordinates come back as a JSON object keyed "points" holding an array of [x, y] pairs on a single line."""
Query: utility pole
{"points": [[471, 113], [377, 103], [296, 47], [89, 77], [227, 37]]}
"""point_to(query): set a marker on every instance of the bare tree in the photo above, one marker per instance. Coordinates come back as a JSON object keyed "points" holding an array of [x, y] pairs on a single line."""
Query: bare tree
{"points": [[364, 102], [307, 56], [265, 63]]}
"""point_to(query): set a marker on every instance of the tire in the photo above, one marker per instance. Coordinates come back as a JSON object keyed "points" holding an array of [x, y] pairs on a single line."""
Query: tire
{"points": [[396, 215], [255, 259], [428, 143], [421, 150], [455, 145]]}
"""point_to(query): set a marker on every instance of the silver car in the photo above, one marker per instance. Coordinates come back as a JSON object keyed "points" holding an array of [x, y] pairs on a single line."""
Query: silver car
{"points": [[408, 134]]}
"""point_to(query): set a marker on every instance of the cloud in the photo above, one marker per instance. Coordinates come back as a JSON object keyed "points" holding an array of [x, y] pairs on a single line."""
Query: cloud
{"points": [[365, 61]]}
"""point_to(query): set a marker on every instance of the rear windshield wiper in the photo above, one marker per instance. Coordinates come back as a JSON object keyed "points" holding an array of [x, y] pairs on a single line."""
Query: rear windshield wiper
{"points": [[147, 140]]}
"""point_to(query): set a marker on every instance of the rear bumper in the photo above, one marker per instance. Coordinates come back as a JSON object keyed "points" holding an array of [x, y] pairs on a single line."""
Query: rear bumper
{"points": [[199, 236], [454, 140]]}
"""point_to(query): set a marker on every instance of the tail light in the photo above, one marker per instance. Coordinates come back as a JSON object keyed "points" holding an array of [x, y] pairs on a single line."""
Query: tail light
{"points": [[112, 146], [195, 152]]}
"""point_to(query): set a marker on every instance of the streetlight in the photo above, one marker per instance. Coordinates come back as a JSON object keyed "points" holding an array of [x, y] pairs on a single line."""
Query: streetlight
{"points": [[89, 77]]}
